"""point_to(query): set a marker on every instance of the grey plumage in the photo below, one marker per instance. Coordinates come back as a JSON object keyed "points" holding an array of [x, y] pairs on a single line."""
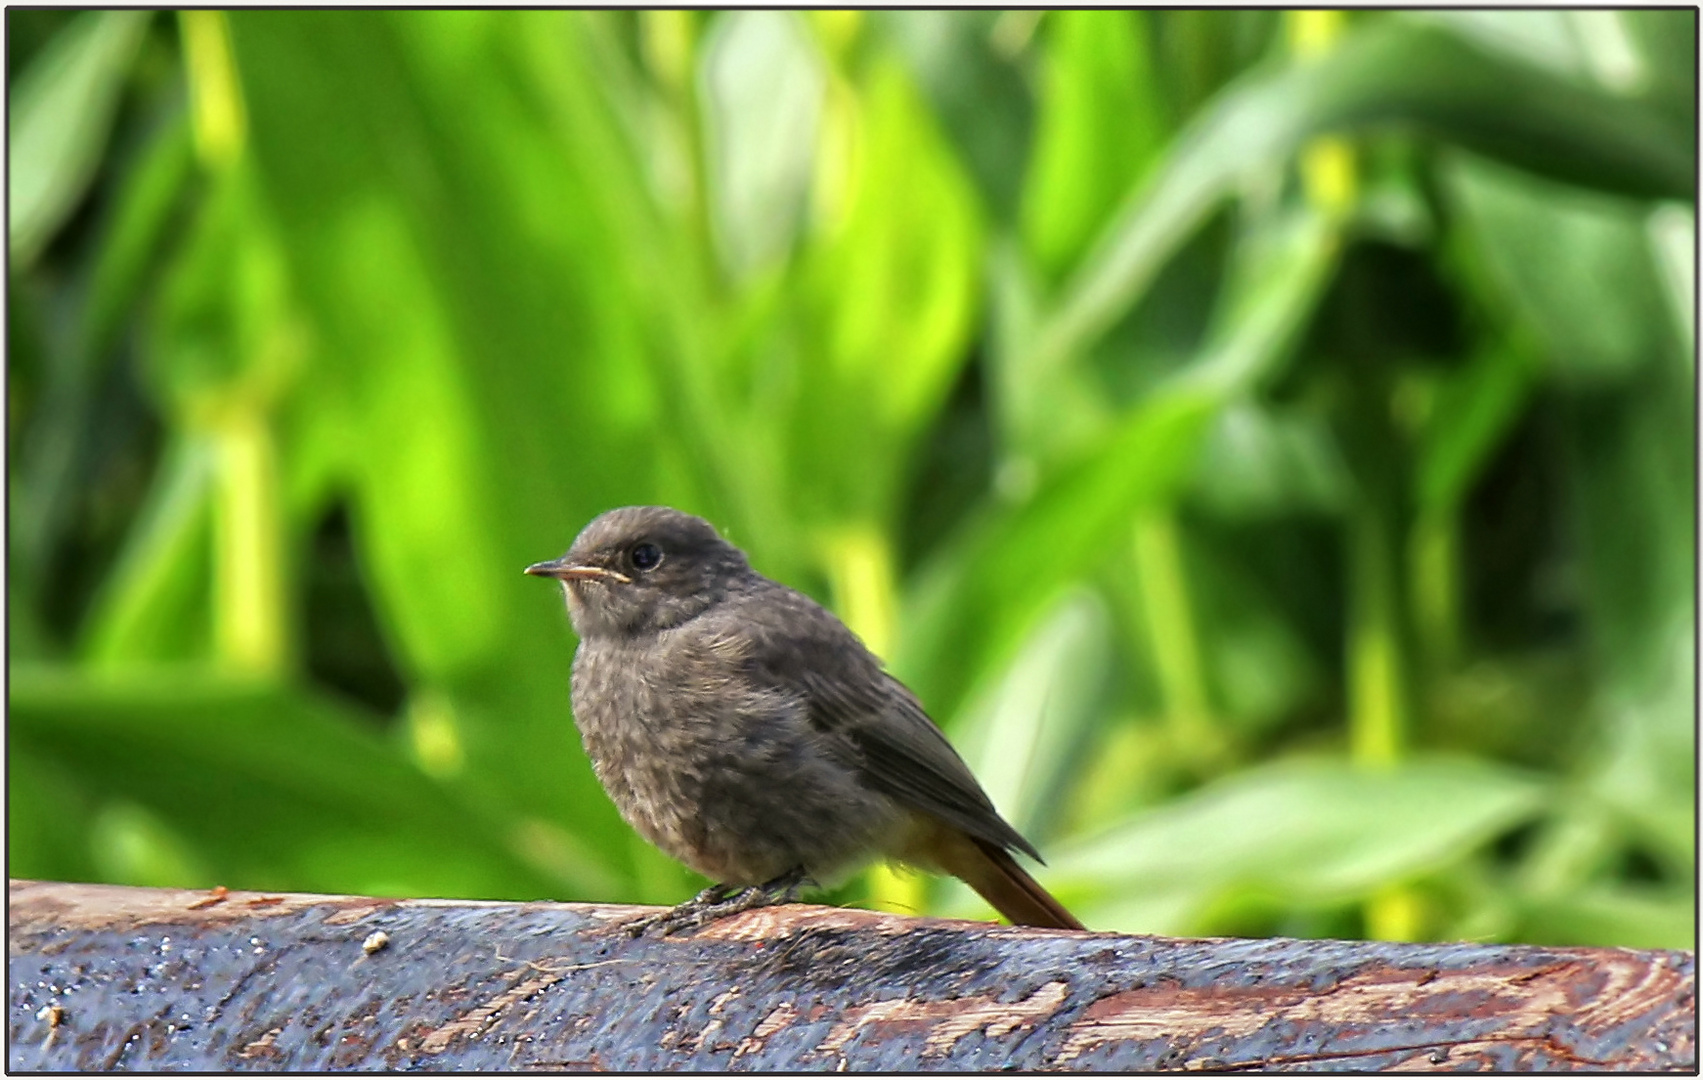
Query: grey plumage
{"points": [[741, 727]]}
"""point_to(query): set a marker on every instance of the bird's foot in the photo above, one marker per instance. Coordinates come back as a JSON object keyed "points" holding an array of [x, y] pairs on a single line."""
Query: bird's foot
{"points": [[720, 901]]}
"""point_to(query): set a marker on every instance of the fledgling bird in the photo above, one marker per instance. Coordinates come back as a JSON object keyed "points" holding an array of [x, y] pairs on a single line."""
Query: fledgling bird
{"points": [[744, 730]]}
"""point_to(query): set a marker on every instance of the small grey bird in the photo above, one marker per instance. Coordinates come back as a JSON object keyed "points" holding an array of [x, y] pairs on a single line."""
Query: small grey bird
{"points": [[744, 730]]}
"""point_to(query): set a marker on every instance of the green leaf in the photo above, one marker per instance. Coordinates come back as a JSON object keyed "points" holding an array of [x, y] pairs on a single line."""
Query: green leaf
{"points": [[1021, 733], [48, 818], [971, 67], [1261, 462], [476, 264], [132, 846], [1672, 232], [1470, 417], [1633, 511], [139, 234], [1389, 74], [60, 114], [1625, 917], [1576, 266], [1646, 765], [1309, 832], [979, 602], [1629, 53], [1548, 39], [1101, 123], [155, 604], [891, 293], [422, 490], [1261, 666], [763, 83], [267, 787]]}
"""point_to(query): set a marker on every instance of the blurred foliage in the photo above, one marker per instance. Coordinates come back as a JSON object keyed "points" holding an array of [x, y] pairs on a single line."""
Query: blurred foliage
{"points": [[1264, 440]]}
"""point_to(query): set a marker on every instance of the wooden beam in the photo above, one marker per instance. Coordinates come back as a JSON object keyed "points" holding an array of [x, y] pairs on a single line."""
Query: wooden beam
{"points": [[109, 977]]}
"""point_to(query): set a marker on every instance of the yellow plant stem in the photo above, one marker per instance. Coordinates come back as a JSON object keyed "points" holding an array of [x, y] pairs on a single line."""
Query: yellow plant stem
{"points": [[1377, 682], [1171, 631], [1312, 32], [1327, 163], [248, 600], [1328, 175], [1434, 568], [249, 631], [666, 41], [1395, 913], [898, 890], [838, 29], [1378, 720], [434, 735], [1377, 710], [217, 115], [859, 561]]}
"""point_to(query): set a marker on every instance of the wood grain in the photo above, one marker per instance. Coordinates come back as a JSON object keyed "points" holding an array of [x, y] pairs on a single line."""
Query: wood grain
{"points": [[107, 977]]}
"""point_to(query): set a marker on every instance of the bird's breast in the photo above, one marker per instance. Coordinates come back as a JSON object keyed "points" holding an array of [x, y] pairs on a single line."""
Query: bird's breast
{"points": [[662, 725], [718, 765]]}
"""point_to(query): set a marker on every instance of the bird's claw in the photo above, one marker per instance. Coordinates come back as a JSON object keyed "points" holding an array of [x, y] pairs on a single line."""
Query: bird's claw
{"points": [[716, 902]]}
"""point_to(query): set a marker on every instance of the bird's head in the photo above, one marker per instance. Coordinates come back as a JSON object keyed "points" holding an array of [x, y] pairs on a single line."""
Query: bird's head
{"points": [[642, 569]]}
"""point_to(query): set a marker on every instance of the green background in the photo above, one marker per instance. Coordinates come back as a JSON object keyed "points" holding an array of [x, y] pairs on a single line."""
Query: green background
{"points": [[1263, 440]]}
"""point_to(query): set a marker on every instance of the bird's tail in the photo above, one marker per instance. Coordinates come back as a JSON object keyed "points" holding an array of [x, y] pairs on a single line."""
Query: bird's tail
{"points": [[994, 874]]}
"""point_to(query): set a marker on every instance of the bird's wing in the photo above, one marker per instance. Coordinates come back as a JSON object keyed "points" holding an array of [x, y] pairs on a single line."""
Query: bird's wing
{"points": [[903, 753], [877, 724]]}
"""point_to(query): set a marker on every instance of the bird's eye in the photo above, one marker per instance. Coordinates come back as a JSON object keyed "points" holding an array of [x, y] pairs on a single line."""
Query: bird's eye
{"points": [[645, 556]]}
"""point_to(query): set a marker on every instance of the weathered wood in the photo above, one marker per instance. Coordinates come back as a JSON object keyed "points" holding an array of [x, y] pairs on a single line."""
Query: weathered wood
{"points": [[106, 977]]}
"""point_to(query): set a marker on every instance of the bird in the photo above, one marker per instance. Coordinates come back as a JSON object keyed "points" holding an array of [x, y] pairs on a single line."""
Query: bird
{"points": [[743, 729]]}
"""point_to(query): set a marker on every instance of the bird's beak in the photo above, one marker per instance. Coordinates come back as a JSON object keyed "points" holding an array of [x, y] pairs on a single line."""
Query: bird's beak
{"points": [[563, 570]]}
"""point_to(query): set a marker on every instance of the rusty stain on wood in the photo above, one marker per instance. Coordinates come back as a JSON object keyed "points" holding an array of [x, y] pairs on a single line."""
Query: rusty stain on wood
{"points": [[945, 1022], [112, 977]]}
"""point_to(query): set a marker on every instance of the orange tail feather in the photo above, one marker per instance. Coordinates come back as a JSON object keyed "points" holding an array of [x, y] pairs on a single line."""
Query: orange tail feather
{"points": [[1013, 893], [995, 875]]}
